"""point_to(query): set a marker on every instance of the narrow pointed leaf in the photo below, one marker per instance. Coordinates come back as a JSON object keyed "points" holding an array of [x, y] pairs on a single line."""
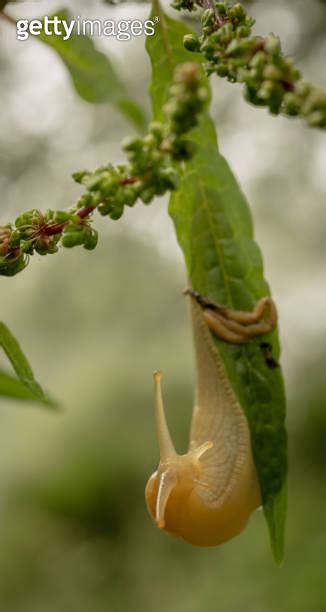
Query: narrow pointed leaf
{"points": [[215, 232], [14, 388], [23, 370]]}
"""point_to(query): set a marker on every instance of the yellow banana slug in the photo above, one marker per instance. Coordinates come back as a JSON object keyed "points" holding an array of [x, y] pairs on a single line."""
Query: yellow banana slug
{"points": [[206, 495]]}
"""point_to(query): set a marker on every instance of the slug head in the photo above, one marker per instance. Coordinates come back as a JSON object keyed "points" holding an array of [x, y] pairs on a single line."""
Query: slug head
{"points": [[168, 490]]}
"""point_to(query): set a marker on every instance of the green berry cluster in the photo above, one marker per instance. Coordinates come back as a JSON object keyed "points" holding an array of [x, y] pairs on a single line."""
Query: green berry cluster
{"points": [[12, 260], [270, 78], [151, 169], [34, 231], [152, 160], [148, 173]]}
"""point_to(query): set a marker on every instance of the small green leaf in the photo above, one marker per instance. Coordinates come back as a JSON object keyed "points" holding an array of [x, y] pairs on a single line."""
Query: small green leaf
{"points": [[92, 73], [13, 387], [22, 369], [224, 263]]}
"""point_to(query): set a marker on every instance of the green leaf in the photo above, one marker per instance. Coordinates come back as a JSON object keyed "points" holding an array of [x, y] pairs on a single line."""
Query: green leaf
{"points": [[12, 387], [166, 52], [224, 263], [92, 73]]}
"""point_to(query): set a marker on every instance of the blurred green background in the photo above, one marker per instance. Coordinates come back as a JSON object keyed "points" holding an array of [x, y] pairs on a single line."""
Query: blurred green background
{"points": [[74, 531]]}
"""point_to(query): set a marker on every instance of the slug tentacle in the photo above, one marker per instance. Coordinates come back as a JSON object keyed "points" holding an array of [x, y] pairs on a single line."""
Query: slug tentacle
{"points": [[168, 481], [200, 450], [163, 434]]}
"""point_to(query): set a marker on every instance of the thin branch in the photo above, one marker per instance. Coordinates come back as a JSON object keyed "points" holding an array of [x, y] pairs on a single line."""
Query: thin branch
{"points": [[8, 18]]}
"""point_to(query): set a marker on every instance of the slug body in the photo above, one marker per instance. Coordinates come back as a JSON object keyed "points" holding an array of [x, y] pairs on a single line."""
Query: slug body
{"points": [[206, 495]]}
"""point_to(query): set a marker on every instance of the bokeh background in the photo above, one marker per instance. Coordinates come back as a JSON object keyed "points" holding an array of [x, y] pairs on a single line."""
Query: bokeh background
{"points": [[74, 531]]}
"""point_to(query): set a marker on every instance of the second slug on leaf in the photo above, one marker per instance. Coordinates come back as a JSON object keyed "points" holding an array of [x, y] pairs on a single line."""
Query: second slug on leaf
{"points": [[207, 495]]}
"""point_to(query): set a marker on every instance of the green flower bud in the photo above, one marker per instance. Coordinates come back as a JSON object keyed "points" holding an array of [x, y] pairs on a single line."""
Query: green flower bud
{"points": [[272, 73], [208, 46], [12, 264], [15, 238], [208, 17], [71, 240], [302, 89], [107, 186], [291, 104], [183, 149], [119, 197], [91, 240], [96, 199], [61, 216], [170, 177], [132, 144], [237, 12], [73, 228], [292, 73], [243, 31], [85, 200], [249, 22], [148, 194], [116, 212], [73, 235], [105, 207], [157, 129], [130, 196], [241, 48], [28, 218], [27, 246], [95, 181], [221, 8], [222, 70], [80, 176], [191, 42], [149, 140], [276, 99], [317, 119], [225, 34], [259, 60], [68, 241], [272, 44], [179, 5], [266, 90], [137, 187], [251, 94], [47, 245]]}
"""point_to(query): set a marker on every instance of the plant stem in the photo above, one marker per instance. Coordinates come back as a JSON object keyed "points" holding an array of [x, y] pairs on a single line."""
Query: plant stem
{"points": [[8, 18]]}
